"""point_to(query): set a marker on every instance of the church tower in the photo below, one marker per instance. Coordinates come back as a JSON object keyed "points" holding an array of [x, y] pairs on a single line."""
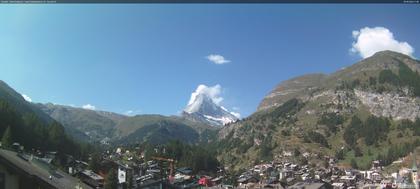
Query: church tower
{"points": [[414, 170]]}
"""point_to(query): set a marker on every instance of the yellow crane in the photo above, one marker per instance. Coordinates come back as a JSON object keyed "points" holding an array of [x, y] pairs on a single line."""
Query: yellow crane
{"points": [[171, 165]]}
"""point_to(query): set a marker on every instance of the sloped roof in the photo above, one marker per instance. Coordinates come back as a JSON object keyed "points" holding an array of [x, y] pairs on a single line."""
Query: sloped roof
{"points": [[33, 169]]}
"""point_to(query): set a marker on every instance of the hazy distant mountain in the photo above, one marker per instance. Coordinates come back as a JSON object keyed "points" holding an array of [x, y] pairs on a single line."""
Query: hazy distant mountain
{"points": [[82, 123], [135, 127], [30, 126], [203, 109], [19, 103], [361, 112], [95, 125], [90, 125], [24, 107], [162, 131]]}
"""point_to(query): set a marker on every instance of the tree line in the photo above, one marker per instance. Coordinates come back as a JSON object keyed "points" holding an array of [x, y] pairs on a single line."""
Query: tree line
{"points": [[372, 130], [405, 78], [37, 135], [199, 158]]}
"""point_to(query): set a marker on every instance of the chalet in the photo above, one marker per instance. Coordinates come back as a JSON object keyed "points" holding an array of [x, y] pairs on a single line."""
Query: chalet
{"points": [[305, 176], [349, 180], [21, 171], [339, 185], [376, 164], [79, 166], [91, 178], [376, 176], [287, 153], [248, 182], [247, 179], [217, 180], [184, 170], [314, 185]]}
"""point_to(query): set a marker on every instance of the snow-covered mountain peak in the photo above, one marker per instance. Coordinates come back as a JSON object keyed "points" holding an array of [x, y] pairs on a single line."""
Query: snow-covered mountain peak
{"points": [[205, 107], [197, 101]]}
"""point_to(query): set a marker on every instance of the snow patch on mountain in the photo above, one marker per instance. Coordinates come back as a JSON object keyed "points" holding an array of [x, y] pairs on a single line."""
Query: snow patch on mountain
{"points": [[204, 106], [223, 120]]}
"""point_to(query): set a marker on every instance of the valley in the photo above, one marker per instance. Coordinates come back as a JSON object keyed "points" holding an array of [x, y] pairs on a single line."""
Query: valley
{"points": [[363, 118]]}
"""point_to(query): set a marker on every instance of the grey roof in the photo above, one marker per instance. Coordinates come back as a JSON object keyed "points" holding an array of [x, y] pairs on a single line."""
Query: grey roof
{"points": [[301, 185], [92, 175], [37, 169]]}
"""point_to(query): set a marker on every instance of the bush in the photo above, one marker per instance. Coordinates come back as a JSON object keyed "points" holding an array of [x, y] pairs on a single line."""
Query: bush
{"points": [[339, 154], [387, 76], [414, 126], [373, 130], [353, 164], [265, 150], [406, 77], [350, 133], [285, 132], [318, 138], [331, 120]]}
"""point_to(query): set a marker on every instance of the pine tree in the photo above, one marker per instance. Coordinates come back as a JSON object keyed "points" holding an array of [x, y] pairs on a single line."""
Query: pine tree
{"points": [[111, 181], [129, 181], [354, 164], [6, 140], [94, 162], [56, 135]]}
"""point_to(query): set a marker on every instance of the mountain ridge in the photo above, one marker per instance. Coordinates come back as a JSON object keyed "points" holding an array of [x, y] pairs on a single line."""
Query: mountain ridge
{"points": [[103, 126], [84, 124], [21, 105], [315, 114], [310, 82]]}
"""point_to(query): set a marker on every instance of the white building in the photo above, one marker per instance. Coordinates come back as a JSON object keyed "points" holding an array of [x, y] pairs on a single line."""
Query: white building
{"points": [[121, 175]]}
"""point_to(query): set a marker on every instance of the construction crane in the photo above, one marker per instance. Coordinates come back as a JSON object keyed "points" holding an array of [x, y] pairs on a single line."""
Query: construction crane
{"points": [[171, 166]]}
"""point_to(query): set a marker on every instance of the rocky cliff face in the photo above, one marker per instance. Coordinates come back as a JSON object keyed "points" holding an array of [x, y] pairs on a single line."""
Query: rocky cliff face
{"points": [[397, 103], [393, 105]]}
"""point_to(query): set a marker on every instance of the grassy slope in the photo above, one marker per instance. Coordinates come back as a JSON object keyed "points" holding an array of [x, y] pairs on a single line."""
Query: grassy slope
{"points": [[305, 122]]}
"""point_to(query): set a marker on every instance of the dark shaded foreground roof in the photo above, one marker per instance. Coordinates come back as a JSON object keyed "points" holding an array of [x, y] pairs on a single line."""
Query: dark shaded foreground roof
{"points": [[34, 169]]}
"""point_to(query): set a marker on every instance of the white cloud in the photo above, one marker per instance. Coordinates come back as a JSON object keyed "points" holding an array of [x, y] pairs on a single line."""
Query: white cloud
{"points": [[213, 92], [217, 59], [131, 112], [236, 114], [368, 41], [89, 107], [26, 97]]}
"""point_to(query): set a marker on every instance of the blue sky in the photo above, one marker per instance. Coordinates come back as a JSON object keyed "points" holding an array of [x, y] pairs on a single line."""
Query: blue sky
{"points": [[150, 58]]}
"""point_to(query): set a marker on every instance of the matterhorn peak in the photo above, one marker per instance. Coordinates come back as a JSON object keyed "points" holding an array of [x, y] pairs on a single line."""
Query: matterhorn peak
{"points": [[204, 106]]}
